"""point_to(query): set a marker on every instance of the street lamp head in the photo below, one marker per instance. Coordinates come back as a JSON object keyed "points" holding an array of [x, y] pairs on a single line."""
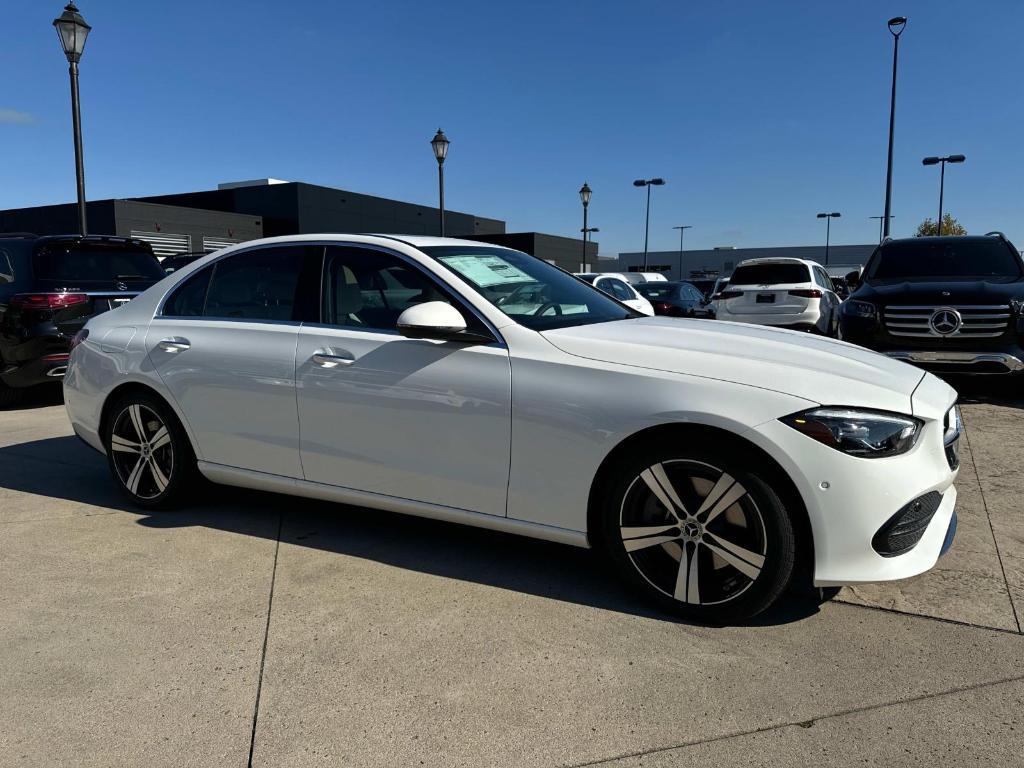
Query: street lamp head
{"points": [[640, 183], [585, 193], [930, 161], [440, 146], [955, 159], [657, 182], [72, 31], [896, 25], [835, 215]]}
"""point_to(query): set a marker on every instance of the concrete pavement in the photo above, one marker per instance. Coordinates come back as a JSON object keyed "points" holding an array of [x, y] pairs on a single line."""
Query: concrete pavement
{"points": [[311, 634]]}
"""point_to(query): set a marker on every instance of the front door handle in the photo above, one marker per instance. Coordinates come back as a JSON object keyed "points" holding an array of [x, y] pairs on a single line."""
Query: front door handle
{"points": [[329, 360], [174, 344]]}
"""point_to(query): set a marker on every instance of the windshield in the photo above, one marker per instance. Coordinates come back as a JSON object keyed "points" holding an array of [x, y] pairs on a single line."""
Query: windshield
{"points": [[769, 274], [530, 291], [945, 259], [93, 263]]}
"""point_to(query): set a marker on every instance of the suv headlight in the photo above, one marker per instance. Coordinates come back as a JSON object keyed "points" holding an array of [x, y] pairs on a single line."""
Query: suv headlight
{"points": [[858, 308], [867, 434]]}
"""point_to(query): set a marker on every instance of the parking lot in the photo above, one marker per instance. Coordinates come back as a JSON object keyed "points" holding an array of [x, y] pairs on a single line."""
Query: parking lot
{"points": [[253, 628]]}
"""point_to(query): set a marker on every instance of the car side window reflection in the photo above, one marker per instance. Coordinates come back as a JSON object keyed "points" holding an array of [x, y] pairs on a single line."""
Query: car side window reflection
{"points": [[365, 288]]}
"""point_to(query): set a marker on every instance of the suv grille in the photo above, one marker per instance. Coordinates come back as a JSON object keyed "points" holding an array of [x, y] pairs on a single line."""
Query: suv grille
{"points": [[903, 530], [978, 321]]}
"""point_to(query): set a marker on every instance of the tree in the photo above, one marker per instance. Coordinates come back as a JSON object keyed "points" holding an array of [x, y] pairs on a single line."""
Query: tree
{"points": [[950, 226]]}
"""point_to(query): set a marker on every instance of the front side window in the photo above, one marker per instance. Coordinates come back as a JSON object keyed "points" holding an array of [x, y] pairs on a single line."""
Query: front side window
{"points": [[530, 291], [370, 289]]}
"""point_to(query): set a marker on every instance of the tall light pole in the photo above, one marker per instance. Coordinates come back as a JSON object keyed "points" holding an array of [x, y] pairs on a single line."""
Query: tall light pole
{"points": [[682, 228], [585, 193], [880, 220], [440, 146], [647, 220], [72, 31], [942, 177], [828, 226], [896, 26]]}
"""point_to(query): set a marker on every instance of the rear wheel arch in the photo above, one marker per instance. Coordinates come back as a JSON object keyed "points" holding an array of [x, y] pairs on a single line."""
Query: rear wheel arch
{"points": [[772, 472], [133, 387]]}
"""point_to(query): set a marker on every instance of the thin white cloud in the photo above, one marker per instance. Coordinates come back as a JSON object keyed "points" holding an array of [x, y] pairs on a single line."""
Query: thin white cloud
{"points": [[14, 116]]}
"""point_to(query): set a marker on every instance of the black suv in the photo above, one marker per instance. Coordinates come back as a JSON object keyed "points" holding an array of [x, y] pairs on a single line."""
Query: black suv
{"points": [[49, 288], [952, 304]]}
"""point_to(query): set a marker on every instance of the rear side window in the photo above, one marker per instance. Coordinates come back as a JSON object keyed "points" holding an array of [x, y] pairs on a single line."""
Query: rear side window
{"points": [[6, 268], [189, 298], [94, 263], [770, 274], [267, 284], [616, 288]]}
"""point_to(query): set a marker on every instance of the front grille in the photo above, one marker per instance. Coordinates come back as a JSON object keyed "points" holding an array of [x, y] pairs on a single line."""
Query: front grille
{"points": [[979, 321], [903, 530]]}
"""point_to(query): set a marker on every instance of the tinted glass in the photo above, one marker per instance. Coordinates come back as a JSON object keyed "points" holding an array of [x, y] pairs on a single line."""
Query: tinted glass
{"points": [[256, 285], [95, 263], [657, 291], [770, 274], [530, 291], [929, 259], [6, 269], [691, 293], [189, 298], [370, 289], [618, 289]]}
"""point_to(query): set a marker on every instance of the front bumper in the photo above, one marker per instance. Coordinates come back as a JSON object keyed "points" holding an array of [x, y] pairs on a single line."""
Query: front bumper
{"points": [[956, 361], [849, 499]]}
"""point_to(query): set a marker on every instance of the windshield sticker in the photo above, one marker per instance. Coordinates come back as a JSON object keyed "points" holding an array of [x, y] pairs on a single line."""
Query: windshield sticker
{"points": [[486, 271]]}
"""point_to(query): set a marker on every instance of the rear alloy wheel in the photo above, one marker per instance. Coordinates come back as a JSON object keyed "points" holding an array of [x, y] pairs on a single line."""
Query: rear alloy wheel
{"points": [[704, 536], [148, 451]]}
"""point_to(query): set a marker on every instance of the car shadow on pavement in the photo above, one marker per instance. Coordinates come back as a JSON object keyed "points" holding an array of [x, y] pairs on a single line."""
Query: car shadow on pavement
{"points": [[496, 559]]}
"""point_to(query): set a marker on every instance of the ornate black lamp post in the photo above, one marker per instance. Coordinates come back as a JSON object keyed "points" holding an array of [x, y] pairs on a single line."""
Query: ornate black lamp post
{"points": [[72, 30], [440, 146]]}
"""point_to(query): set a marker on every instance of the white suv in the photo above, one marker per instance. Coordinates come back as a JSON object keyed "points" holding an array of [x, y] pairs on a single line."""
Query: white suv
{"points": [[786, 293]]}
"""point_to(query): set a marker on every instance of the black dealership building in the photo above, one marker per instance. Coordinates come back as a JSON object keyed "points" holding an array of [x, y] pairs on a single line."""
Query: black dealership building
{"points": [[240, 211]]}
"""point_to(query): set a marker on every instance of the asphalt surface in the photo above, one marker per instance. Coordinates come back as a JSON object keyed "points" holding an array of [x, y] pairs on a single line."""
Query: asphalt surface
{"points": [[257, 629]]}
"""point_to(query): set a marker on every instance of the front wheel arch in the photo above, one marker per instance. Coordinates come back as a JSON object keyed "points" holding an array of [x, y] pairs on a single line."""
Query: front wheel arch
{"points": [[782, 483]]}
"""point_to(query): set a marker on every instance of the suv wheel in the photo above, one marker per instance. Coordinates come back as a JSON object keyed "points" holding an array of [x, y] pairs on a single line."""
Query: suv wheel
{"points": [[148, 451], [701, 532]]}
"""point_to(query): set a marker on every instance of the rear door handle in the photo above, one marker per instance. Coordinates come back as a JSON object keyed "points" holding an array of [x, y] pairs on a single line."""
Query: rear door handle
{"points": [[330, 360], [174, 344]]}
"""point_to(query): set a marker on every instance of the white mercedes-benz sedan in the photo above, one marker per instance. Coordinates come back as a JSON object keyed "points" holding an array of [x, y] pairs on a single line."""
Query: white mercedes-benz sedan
{"points": [[713, 463]]}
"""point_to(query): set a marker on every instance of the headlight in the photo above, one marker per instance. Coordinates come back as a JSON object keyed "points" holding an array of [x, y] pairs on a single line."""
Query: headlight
{"points": [[867, 434], [858, 308]]}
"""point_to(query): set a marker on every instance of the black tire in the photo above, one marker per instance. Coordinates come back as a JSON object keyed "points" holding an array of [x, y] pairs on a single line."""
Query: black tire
{"points": [[9, 395], [731, 535], [157, 471]]}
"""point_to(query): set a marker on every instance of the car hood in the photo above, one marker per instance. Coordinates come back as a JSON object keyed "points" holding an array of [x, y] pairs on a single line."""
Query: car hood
{"points": [[814, 368], [939, 292]]}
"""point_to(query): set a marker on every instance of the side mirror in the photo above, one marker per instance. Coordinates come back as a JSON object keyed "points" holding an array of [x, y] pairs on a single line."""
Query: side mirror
{"points": [[853, 279], [435, 320]]}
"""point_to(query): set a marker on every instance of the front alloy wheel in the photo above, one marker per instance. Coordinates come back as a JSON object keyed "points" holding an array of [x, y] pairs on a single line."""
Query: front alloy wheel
{"points": [[709, 540]]}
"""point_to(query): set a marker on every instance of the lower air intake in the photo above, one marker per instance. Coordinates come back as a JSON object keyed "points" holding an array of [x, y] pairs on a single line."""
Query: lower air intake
{"points": [[903, 530]]}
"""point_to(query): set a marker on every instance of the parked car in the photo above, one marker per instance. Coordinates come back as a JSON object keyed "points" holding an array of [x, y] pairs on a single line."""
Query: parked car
{"points": [[49, 288], [946, 303], [638, 278], [781, 292], [676, 299], [381, 371], [705, 285], [176, 262], [616, 286]]}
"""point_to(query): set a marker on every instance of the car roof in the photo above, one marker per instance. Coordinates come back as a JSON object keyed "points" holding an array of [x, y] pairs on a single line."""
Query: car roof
{"points": [[945, 239]]}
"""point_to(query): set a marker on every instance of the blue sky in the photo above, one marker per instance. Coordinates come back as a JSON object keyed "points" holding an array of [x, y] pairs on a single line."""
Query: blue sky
{"points": [[757, 114]]}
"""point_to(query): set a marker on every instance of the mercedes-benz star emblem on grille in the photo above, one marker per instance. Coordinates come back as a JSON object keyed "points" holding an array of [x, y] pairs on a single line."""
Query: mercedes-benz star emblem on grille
{"points": [[945, 321], [122, 286]]}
